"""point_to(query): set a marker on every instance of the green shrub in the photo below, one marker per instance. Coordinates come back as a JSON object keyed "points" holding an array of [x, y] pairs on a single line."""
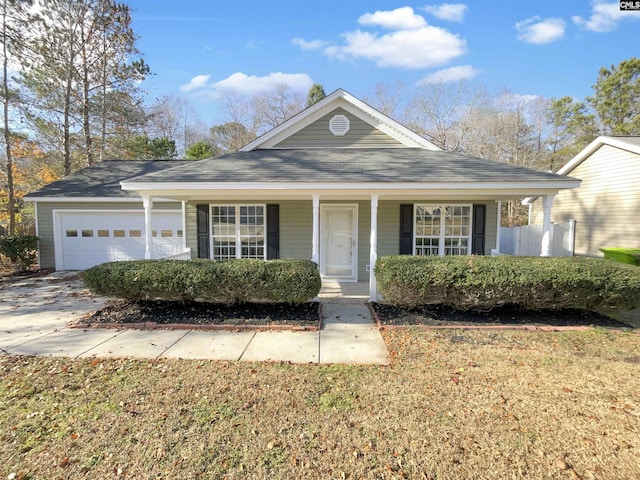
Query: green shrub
{"points": [[234, 281], [21, 250], [483, 283]]}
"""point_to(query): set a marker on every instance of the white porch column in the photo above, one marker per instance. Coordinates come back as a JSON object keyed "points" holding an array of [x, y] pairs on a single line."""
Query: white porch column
{"points": [[373, 249], [147, 203], [315, 239], [184, 225], [547, 204], [498, 226]]}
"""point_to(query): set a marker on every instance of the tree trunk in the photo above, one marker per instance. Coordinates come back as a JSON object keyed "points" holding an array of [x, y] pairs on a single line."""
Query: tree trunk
{"points": [[85, 101], [66, 124], [11, 200]]}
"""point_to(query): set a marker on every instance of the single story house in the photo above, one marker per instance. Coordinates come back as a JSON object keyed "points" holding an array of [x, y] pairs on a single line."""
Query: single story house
{"points": [[606, 205], [339, 183]]}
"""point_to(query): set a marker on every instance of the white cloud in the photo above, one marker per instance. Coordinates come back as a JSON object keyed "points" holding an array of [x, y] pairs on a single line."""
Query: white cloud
{"points": [[605, 16], [243, 84], [453, 74], [539, 32], [399, 19], [453, 12], [412, 49], [411, 43], [309, 45], [196, 82]]}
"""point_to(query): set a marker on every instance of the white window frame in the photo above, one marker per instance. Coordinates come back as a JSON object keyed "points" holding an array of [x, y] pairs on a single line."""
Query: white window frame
{"points": [[442, 237], [238, 237]]}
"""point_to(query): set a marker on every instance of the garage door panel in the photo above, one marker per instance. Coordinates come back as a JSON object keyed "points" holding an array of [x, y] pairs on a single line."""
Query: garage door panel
{"points": [[91, 238]]}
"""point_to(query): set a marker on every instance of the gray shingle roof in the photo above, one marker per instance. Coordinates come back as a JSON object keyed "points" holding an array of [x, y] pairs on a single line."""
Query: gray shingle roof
{"points": [[391, 165], [103, 179]]}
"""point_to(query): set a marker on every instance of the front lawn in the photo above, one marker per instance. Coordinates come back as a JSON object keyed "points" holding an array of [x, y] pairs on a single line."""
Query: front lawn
{"points": [[453, 404]]}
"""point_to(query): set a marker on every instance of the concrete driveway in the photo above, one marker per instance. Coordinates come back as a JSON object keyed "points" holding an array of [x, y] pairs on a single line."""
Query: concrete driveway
{"points": [[34, 314]]}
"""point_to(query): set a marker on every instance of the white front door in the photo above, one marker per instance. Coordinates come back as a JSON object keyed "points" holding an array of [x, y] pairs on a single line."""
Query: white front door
{"points": [[339, 246]]}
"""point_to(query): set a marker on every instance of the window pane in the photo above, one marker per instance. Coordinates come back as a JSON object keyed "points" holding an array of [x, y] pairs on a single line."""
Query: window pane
{"points": [[72, 233], [135, 233], [166, 233], [223, 220], [87, 233], [118, 233], [179, 235], [224, 249], [103, 233]]}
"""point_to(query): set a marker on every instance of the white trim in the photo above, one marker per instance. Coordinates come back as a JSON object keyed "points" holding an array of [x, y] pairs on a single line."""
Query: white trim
{"points": [[306, 186], [339, 98], [354, 241], [93, 199], [617, 142], [443, 236], [58, 256], [35, 215]]}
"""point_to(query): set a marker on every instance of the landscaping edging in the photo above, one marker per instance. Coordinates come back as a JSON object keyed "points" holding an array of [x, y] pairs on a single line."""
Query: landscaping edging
{"points": [[529, 328], [272, 327]]}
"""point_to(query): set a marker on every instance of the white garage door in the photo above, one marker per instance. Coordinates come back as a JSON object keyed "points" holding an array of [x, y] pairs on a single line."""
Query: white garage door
{"points": [[89, 238]]}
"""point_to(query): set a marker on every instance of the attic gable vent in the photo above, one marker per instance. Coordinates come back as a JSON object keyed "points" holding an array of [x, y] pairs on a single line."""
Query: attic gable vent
{"points": [[339, 125]]}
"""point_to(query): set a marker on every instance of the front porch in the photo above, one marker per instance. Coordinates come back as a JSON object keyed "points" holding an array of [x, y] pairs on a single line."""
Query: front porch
{"points": [[344, 234]]}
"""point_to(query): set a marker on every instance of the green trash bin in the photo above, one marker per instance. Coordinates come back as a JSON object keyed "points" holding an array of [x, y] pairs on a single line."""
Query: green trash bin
{"points": [[622, 255]]}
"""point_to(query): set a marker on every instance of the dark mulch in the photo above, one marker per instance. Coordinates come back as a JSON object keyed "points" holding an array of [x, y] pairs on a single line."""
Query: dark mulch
{"points": [[201, 313], [440, 315]]}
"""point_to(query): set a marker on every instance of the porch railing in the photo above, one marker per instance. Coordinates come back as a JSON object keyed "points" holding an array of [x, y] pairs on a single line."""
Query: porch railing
{"points": [[184, 255]]}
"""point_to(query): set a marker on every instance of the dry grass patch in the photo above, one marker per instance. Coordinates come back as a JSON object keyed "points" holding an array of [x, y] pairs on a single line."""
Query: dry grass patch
{"points": [[452, 405]]}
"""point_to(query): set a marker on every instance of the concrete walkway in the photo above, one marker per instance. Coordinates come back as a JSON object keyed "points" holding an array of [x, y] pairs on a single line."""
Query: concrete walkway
{"points": [[34, 314]]}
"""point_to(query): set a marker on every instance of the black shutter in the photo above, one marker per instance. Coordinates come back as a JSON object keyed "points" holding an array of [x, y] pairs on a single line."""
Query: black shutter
{"points": [[478, 230], [202, 225], [406, 229], [273, 231]]}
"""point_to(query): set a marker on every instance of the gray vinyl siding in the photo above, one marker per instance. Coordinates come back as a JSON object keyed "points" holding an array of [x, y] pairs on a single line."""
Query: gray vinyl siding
{"points": [[191, 228], [45, 220], [360, 134], [296, 228], [606, 204]]}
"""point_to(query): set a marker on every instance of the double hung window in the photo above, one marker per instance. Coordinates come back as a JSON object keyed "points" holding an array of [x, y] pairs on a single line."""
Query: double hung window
{"points": [[442, 229], [238, 231]]}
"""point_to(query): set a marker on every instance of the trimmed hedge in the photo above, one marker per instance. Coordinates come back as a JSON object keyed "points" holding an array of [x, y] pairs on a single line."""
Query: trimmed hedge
{"points": [[483, 283], [234, 281]]}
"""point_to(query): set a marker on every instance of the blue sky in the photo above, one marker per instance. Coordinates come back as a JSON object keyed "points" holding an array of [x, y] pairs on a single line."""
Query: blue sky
{"points": [[200, 50]]}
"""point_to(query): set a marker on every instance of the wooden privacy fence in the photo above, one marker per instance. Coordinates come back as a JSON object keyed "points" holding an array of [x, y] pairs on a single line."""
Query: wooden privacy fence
{"points": [[527, 240]]}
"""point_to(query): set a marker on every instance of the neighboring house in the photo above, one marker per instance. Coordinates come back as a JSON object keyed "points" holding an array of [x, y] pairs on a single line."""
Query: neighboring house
{"points": [[607, 204], [339, 183]]}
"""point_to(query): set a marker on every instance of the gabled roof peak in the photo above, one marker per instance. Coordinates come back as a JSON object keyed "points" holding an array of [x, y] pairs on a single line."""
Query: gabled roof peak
{"points": [[343, 99]]}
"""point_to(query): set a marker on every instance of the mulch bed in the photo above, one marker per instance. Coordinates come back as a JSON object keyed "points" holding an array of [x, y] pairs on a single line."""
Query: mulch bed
{"points": [[159, 314], [440, 315]]}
